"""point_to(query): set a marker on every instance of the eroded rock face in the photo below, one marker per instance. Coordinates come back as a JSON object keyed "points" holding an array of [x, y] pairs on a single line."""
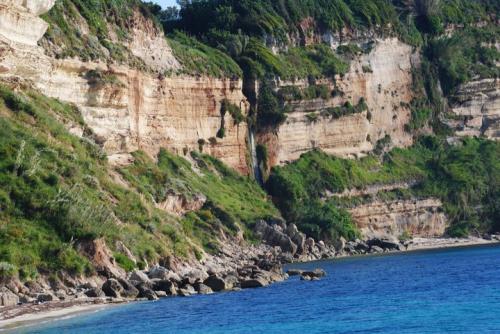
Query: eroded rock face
{"points": [[19, 20], [386, 89], [418, 218], [102, 258], [180, 204], [475, 109], [130, 110]]}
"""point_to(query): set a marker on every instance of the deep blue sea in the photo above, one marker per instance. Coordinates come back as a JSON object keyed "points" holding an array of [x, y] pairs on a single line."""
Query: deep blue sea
{"points": [[444, 291]]}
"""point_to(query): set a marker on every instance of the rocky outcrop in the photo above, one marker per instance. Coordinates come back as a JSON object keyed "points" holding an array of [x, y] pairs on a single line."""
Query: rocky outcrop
{"points": [[418, 218], [180, 204], [289, 240], [7, 297], [475, 109], [382, 78], [102, 258]]}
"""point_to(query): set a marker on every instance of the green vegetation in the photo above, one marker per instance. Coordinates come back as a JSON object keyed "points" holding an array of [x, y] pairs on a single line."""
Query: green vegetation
{"points": [[101, 17], [467, 54], [346, 109], [465, 177], [233, 202], [56, 193], [197, 58], [271, 110], [294, 93]]}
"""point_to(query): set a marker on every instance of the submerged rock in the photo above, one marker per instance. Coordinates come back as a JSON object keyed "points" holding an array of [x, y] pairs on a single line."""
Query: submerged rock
{"points": [[258, 282]]}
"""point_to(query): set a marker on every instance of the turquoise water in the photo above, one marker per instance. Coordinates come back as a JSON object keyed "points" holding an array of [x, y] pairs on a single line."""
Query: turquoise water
{"points": [[446, 291]]}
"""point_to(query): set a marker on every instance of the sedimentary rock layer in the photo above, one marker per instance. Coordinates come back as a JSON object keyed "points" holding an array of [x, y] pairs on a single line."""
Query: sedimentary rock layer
{"points": [[126, 108], [386, 88], [418, 218]]}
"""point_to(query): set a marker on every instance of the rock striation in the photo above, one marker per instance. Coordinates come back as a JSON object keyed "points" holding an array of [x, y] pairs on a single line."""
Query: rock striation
{"points": [[128, 109], [386, 88], [418, 218], [475, 109]]}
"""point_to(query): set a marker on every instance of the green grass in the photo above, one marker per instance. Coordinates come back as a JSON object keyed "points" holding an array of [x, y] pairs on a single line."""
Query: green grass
{"points": [[56, 192], [198, 58]]}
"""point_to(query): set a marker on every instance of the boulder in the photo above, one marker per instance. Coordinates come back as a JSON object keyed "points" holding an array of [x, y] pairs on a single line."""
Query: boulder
{"points": [[94, 293], [318, 273], [161, 294], [112, 288], [339, 244], [376, 249], [231, 282], [274, 236], [215, 283], [258, 282], [297, 237], [8, 298], [24, 299], [164, 285], [158, 272], [186, 291], [139, 276], [386, 243], [294, 272], [202, 289], [129, 290], [44, 297]]}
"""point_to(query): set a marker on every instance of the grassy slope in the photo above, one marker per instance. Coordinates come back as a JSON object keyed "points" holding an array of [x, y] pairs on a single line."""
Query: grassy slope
{"points": [[56, 191]]}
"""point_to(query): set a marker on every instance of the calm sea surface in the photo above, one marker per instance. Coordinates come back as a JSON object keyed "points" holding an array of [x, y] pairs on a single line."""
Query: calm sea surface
{"points": [[445, 291]]}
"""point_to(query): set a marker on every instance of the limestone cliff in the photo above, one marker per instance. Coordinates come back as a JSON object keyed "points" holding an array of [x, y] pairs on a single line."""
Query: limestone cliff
{"points": [[475, 109], [382, 78], [417, 218], [126, 108]]}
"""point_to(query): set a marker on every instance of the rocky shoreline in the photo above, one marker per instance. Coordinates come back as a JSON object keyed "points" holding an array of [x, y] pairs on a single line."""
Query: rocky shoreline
{"points": [[236, 267]]}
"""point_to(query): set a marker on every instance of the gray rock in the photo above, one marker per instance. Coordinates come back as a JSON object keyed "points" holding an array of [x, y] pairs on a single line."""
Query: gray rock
{"points": [[186, 291], [158, 272], [145, 291], [231, 282], [315, 273], [139, 276], [112, 288], [95, 293], [161, 294], [8, 298], [376, 249], [294, 272], [274, 236], [44, 297], [215, 283], [203, 289], [258, 282], [129, 290], [24, 299], [165, 285]]}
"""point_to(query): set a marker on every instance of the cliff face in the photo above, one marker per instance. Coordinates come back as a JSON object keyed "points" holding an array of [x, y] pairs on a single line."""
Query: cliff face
{"points": [[417, 218], [382, 78], [126, 108], [475, 109], [19, 20]]}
